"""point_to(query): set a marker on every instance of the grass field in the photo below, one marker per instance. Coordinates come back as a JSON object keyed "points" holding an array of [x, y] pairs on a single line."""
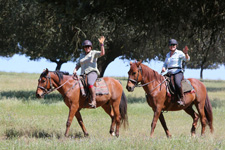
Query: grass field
{"points": [[28, 123]]}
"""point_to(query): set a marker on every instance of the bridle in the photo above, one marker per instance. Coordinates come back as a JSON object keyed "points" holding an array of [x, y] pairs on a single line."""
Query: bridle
{"points": [[136, 81], [47, 91], [141, 85]]}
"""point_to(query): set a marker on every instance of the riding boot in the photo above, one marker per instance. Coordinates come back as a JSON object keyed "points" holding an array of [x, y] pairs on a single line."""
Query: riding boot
{"points": [[181, 94], [93, 97]]}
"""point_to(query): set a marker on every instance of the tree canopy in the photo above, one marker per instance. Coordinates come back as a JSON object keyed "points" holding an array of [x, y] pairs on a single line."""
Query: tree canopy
{"points": [[54, 29]]}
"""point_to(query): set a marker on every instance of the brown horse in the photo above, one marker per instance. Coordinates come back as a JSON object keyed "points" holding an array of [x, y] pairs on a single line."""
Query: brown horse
{"points": [[156, 94], [114, 104]]}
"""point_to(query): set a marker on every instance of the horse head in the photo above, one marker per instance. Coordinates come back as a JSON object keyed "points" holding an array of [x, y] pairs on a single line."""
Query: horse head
{"points": [[44, 84], [134, 75]]}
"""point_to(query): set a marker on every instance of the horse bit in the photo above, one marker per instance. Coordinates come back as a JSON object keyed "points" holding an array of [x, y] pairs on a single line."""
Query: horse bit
{"points": [[47, 91], [141, 85]]}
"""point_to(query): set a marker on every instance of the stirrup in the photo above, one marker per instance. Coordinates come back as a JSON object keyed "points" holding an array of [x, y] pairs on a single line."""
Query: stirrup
{"points": [[181, 103]]}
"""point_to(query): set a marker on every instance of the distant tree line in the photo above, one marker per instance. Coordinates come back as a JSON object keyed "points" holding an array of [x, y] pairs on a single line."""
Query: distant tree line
{"points": [[54, 29]]}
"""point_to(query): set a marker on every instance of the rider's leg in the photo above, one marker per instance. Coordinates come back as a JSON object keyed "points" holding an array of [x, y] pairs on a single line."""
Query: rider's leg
{"points": [[177, 78], [91, 78]]}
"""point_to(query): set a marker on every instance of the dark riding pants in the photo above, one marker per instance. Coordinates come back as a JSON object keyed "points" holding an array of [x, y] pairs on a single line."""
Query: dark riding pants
{"points": [[177, 79]]}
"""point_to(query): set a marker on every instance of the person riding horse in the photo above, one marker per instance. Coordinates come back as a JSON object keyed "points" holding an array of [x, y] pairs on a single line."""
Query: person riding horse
{"points": [[173, 63], [88, 64]]}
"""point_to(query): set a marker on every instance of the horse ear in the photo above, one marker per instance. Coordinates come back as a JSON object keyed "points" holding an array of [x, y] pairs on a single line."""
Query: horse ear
{"points": [[138, 63], [130, 63], [46, 70]]}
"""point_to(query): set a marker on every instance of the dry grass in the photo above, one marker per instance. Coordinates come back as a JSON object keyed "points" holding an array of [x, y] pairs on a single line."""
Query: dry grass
{"points": [[30, 123]]}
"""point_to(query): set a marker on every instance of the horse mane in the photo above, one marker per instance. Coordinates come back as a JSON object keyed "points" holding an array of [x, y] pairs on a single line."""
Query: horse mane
{"points": [[150, 73], [57, 72], [60, 74]]}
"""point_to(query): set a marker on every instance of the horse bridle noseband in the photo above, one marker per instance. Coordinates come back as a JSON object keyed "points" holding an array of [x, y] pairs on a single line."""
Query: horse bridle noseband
{"points": [[136, 81], [46, 91], [141, 85]]}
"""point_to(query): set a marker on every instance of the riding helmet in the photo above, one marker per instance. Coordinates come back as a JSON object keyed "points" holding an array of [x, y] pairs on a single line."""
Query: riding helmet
{"points": [[173, 41], [87, 43]]}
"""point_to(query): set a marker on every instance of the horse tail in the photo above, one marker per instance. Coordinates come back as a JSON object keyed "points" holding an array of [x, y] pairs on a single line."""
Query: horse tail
{"points": [[208, 113], [123, 110]]}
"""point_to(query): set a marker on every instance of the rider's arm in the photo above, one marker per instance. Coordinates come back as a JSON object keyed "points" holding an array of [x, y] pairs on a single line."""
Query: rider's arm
{"points": [[101, 42], [187, 57], [102, 50], [76, 68]]}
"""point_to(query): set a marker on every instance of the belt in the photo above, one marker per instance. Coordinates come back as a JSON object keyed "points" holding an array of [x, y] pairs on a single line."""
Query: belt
{"points": [[175, 68]]}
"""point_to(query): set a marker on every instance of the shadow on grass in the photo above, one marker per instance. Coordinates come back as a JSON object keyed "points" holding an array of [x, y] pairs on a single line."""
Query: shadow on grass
{"points": [[50, 98], [31, 96], [13, 133]]}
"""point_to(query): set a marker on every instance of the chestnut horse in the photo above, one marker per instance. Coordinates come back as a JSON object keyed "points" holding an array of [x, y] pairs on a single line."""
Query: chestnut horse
{"points": [[114, 103], [156, 94]]}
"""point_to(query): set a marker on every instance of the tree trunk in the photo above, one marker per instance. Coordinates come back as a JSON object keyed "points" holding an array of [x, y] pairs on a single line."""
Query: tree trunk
{"points": [[201, 73], [59, 64], [111, 55], [102, 65]]}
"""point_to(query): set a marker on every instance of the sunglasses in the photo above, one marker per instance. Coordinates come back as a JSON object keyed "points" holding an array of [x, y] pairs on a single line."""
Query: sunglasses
{"points": [[87, 46], [172, 44]]}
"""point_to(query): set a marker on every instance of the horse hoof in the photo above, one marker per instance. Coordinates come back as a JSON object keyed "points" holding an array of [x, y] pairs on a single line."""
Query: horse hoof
{"points": [[65, 135], [113, 134]]}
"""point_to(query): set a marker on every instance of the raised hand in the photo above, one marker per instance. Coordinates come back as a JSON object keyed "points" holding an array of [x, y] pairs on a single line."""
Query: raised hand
{"points": [[101, 40], [185, 49]]}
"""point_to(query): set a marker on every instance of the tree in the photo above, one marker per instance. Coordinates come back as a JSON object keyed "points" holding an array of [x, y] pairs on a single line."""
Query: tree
{"points": [[133, 29], [8, 43], [208, 31], [48, 31]]}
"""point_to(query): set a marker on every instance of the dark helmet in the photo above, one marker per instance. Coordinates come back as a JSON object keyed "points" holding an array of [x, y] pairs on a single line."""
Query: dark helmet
{"points": [[173, 41], [86, 43]]}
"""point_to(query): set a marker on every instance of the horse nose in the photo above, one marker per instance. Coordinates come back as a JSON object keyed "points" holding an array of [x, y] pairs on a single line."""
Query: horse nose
{"points": [[129, 88], [38, 95]]}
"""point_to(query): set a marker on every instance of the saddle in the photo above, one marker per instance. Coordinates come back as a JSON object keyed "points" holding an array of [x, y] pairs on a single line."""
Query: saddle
{"points": [[100, 86], [185, 84]]}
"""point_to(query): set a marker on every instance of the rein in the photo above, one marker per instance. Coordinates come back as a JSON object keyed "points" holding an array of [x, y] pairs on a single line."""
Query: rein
{"points": [[158, 85], [51, 87], [135, 81], [141, 85]]}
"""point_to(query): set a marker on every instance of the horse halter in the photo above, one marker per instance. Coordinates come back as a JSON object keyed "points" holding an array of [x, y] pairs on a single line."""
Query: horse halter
{"points": [[136, 81], [46, 91]]}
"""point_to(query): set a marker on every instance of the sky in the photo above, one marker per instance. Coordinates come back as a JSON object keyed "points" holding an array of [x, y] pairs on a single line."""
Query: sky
{"points": [[117, 68]]}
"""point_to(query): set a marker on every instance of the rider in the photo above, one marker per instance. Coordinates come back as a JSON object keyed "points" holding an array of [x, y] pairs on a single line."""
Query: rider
{"points": [[173, 63], [88, 64]]}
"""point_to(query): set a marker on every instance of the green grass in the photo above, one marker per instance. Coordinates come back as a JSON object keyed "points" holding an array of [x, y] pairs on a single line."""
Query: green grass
{"points": [[30, 123]]}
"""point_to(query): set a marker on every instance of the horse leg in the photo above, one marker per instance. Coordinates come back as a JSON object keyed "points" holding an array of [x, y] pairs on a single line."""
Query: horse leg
{"points": [[163, 122], [157, 113], [72, 112], [200, 108], [81, 123], [117, 117], [189, 110], [109, 111]]}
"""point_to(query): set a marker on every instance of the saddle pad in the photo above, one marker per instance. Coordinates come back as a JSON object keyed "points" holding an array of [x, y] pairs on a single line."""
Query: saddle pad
{"points": [[101, 87], [186, 85], [82, 90]]}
